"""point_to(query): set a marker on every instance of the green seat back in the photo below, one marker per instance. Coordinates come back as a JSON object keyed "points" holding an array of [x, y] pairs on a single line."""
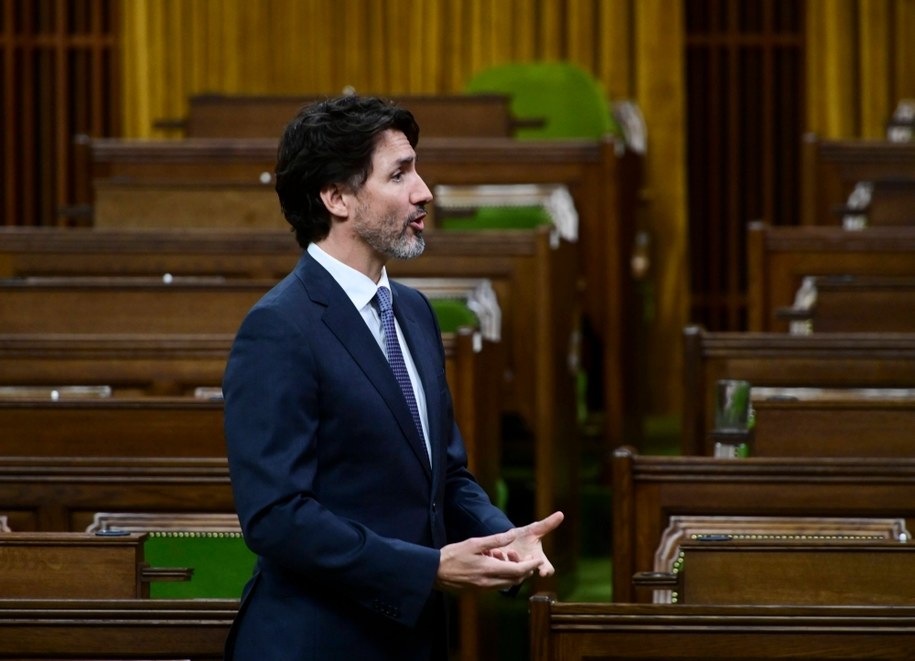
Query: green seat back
{"points": [[499, 218], [453, 314], [221, 561], [571, 100]]}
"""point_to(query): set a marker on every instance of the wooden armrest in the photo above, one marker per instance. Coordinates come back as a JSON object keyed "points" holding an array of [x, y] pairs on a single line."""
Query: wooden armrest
{"points": [[655, 580], [174, 574], [528, 122], [793, 314]]}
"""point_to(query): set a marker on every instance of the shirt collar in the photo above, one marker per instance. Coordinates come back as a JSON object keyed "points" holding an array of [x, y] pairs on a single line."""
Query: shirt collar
{"points": [[359, 287]]}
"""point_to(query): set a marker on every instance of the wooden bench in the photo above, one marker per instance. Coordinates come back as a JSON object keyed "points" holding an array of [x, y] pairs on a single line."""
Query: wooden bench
{"points": [[112, 427], [854, 304], [127, 305], [265, 116], [130, 365], [832, 168], [62, 494], [779, 258], [649, 490], [188, 629], [138, 421], [562, 631], [259, 254], [229, 182], [829, 360]]}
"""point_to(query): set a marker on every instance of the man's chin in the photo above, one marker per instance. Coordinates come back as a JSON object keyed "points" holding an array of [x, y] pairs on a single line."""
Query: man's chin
{"points": [[410, 249]]}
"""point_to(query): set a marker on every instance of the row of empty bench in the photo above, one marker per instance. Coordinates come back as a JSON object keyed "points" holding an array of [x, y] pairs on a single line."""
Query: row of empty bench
{"points": [[537, 340], [802, 549]]}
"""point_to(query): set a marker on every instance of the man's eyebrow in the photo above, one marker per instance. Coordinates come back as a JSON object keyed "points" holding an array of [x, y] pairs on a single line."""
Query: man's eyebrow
{"points": [[406, 160]]}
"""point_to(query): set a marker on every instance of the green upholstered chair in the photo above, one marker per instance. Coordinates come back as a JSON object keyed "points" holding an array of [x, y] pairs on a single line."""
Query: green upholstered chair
{"points": [[221, 563], [570, 100]]}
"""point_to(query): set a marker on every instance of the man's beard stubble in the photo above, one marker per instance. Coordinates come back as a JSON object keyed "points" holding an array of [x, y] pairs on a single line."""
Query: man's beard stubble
{"points": [[403, 246]]}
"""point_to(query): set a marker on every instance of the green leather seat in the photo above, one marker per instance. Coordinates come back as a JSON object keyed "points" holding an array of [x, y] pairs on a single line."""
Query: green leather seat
{"points": [[221, 562], [570, 100], [499, 218], [453, 314]]}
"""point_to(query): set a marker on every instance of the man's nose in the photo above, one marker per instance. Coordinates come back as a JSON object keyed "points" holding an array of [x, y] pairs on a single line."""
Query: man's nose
{"points": [[422, 194]]}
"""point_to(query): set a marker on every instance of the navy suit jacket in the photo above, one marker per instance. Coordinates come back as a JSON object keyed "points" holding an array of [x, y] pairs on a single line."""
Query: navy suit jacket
{"points": [[332, 481]]}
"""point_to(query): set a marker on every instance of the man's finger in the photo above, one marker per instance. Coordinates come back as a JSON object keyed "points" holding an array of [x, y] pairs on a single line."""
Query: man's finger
{"points": [[547, 525], [486, 544]]}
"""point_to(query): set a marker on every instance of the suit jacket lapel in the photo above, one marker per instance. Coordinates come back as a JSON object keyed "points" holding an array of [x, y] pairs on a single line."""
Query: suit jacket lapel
{"points": [[345, 322]]}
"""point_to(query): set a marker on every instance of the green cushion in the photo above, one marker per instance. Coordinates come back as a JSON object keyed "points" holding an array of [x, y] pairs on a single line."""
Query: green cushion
{"points": [[452, 314], [499, 218], [221, 562], [572, 102]]}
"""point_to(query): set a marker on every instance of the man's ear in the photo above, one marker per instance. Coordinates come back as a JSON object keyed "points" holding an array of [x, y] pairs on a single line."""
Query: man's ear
{"points": [[336, 200]]}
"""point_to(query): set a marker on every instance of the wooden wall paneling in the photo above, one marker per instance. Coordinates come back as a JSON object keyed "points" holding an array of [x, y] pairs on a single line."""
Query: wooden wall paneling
{"points": [[58, 81], [745, 112]]}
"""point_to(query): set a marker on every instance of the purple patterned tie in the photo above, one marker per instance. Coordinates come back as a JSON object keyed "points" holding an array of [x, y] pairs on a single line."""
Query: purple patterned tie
{"points": [[395, 357]]}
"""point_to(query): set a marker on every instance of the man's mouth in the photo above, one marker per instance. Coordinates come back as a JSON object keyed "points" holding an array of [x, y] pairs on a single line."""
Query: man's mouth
{"points": [[416, 222]]}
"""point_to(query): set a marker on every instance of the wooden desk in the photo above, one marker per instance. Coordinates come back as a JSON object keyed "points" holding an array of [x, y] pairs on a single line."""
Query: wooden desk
{"points": [[683, 528], [648, 490], [780, 257], [132, 365], [888, 201], [868, 427], [258, 254], [127, 305], [112, 427], [828, 360], [856, 304], [661, 632], [831, 168], [796, 572], [71, 566]]}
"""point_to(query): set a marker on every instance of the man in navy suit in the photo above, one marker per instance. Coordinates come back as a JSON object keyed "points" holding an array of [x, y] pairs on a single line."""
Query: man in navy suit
{"points": [[352, 489]]}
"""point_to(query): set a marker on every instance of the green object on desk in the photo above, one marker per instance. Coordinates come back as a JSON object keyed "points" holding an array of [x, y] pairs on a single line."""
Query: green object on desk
{"points": [[499, 218]]}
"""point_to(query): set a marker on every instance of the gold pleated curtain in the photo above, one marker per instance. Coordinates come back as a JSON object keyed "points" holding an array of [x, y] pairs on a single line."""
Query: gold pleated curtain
{"points": [[860, 63], [174, 48]]}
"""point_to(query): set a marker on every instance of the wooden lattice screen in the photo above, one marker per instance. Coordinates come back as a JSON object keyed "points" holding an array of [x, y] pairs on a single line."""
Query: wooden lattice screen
{"points": [[58, 64], [745, 96]]}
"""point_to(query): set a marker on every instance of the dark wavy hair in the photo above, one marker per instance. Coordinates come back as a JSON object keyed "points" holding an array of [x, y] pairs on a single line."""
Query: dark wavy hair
{"points": [[330, 142]]}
